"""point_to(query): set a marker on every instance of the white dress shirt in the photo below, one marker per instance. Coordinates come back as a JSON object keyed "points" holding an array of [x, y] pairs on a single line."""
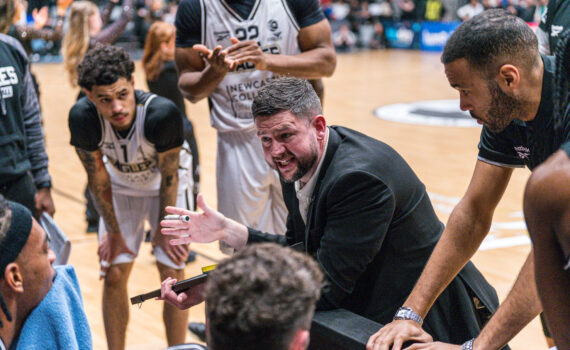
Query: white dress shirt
{"points": [[305, 192]]}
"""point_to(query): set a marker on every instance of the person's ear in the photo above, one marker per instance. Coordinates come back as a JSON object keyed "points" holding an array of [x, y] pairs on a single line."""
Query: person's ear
{"points": [[320, 125], [88, 94], [300, 340], [132, 80], [509, 77], [13, 278]]}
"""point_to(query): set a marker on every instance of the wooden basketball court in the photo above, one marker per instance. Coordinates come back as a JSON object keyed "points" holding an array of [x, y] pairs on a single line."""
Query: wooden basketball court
{"points": [[443, 158]]}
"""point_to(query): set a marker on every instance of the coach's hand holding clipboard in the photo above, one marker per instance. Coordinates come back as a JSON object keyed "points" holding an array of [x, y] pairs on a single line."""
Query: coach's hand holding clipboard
{"points": [[184, 300]]}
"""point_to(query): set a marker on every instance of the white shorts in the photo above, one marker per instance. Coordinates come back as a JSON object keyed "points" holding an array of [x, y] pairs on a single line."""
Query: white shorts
{"points": [[132, 213], [249, 191]]}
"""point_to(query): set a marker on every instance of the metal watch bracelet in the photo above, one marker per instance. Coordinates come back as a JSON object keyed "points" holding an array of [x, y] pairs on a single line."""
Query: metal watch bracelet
{"points": [[468, 345], [406, 313]]}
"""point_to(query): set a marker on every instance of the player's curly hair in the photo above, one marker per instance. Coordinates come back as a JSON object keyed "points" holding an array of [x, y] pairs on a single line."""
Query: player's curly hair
{"points": [[260, 297], [104, 65], [492, 39]]}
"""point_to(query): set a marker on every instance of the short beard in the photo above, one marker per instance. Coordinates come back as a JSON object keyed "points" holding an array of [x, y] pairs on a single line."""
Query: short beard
{"points": [[503, 110], [303, 165]]}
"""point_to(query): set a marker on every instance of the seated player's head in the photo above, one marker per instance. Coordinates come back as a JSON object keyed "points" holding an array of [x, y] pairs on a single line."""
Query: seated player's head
{"points": [[26, 271], [106, 76], [489, 59], [291, 127], [263, 297]]}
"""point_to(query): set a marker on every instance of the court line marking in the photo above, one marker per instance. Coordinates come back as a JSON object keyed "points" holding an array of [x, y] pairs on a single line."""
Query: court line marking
{"points": [[445, 204]]}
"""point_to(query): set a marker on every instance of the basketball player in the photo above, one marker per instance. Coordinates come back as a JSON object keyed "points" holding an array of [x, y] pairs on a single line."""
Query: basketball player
{"points": [[131, 145], [547, 213], [503, 81], [263, 38]]}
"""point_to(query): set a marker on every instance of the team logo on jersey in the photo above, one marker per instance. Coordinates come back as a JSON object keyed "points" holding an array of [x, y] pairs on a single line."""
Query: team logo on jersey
{"points": [[555, 30], [221, 36], [145, 165], [523, 152], [108, 145], [274, 28], [8, 78]]}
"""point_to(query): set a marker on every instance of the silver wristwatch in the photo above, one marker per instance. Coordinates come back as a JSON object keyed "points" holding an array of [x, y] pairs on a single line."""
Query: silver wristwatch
{"points": [[468, 345], [406, 313]]}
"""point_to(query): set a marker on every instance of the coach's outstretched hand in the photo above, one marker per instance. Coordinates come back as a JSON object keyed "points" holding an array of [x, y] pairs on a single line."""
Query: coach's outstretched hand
{"points": [[397, 333], [206, 226]]}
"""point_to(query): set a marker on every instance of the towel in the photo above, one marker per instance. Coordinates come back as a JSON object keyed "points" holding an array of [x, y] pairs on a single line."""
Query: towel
{"points": [[59, 321]]}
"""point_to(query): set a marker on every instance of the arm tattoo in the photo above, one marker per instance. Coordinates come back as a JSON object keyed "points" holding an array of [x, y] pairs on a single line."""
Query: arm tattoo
{"points": [[100, 187], [168, 166]]}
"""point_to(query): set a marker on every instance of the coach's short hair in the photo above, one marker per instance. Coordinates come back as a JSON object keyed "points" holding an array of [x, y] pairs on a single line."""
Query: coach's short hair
{"points": [[491, 39], [104, 65], [287, 94], [260, 297]]}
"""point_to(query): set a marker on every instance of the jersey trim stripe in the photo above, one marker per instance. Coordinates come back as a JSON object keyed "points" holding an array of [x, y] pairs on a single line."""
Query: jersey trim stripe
{"points": [[504, 165], [290, 15], [102, 123], [203, 20], [231, 11], [254, 10]]}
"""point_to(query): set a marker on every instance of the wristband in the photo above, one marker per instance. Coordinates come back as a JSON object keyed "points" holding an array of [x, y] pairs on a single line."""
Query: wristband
{"points": [[406, 313], [468, 345]]}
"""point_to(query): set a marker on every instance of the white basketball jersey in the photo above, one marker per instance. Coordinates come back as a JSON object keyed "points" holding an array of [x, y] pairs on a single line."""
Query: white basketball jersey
{"points": [[131, 161], [273, 26]]}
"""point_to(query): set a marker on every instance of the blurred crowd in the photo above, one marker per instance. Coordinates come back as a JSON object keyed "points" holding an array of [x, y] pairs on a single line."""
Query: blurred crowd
{"points": [[360, 23], [39, 24], [356, 24]]}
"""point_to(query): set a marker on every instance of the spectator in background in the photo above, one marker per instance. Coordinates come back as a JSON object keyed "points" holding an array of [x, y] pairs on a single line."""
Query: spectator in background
{"points": [[386, 10], [451, 7], [407, 9], [378, 40], [162, 79], [526, 10], [470, 10], [26, 33], [491, 4], [432, 10], [339, 10], [344, 39], [88, 27]]}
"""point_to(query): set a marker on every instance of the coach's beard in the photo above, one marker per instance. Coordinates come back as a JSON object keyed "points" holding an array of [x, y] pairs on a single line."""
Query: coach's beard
{"points": [[304, 165]]}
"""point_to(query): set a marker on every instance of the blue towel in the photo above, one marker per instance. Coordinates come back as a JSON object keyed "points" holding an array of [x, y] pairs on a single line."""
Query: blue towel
{"points": [[59, 321]]}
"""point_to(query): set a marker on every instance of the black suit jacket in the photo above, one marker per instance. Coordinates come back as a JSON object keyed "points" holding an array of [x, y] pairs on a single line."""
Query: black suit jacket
{"points": [[372, 228]]}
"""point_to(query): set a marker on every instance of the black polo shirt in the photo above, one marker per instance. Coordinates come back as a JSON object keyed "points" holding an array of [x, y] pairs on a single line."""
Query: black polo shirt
{"points": [[528, 143]]}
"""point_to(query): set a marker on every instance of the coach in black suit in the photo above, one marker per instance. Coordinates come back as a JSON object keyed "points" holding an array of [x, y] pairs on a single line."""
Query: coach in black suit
{"points": [[355, 206]]}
